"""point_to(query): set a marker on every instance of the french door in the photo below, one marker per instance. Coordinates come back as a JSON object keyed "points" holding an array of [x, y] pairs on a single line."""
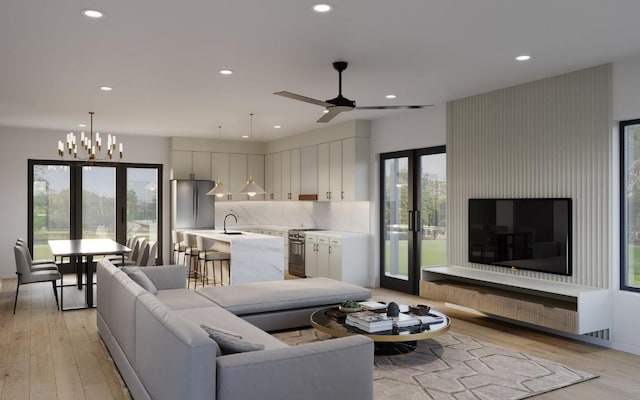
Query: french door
{"points": [[105, 200], [413, 215]]}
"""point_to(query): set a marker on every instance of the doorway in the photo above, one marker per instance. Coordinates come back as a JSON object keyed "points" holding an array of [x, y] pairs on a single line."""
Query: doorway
{"points": [[413, 215]]}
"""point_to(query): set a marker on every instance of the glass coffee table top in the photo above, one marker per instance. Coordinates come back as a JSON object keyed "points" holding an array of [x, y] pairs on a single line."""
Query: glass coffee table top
{"points": [[331, 321]]}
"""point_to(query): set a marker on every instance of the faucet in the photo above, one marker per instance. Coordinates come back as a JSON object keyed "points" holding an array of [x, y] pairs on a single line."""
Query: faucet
{"points": [[225, 220]]}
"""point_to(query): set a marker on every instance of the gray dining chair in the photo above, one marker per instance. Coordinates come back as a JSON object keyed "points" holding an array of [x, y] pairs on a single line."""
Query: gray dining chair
{"points": [[136, 253], [148, 254], [26, 275], [36, 264]]}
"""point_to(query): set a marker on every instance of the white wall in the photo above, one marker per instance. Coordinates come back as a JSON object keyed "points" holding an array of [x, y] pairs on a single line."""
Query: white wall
{"points": [[21, 144], [626, 106], [413, 129]]}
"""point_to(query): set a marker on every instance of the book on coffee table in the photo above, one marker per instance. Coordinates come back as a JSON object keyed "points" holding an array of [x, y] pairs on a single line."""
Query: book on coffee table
{"points": [[373, 305], [369, 321]]}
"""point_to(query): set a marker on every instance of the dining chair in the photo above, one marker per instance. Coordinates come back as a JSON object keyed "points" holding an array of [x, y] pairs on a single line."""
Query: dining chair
{"points": [[26, 275], [138, 246], [153, 253], [208, 254], [36, 264]]}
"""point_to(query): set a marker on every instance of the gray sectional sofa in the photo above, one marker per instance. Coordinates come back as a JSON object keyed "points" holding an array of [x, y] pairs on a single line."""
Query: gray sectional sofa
{"points": [[162, 352]]}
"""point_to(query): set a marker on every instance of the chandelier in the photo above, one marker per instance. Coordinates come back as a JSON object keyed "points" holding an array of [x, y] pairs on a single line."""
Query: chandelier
{"points": [[88, 147]]}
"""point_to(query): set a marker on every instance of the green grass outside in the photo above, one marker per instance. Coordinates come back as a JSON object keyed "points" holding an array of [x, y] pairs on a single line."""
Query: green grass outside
{"points": [[633, 256], [434, 252]]}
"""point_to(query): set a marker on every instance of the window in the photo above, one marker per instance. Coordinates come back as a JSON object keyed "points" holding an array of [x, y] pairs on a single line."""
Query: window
{"points": [[69, 200], [630, 205]]}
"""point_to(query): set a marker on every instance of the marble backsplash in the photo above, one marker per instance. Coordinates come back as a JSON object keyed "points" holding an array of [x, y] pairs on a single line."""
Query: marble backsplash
{"points": [[348, 216]]}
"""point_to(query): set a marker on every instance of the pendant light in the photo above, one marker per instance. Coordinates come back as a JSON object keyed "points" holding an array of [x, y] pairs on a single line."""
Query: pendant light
{"points": [[251, 188], [218, 190]]}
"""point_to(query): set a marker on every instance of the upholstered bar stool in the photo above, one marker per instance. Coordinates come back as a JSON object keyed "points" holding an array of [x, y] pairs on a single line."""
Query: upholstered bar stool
{"points": [[179, 246], [208, 254], [191, 254]]}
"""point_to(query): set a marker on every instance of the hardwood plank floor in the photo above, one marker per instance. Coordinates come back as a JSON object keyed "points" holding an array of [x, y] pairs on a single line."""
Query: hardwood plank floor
{"points": [[47, 354]]}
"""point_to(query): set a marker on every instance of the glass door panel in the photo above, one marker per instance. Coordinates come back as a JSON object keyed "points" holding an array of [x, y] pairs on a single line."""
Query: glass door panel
{"points": [[395, 223], [98, 202], [142, 202], [433, 209], [51, 207]]}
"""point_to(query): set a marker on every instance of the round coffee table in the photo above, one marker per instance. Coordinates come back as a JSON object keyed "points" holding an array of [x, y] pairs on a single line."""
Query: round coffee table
{"points": [[331, 321]]}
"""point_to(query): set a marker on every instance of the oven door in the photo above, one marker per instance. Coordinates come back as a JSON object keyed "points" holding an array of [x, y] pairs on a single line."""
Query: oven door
{"points": [[296, 257]]}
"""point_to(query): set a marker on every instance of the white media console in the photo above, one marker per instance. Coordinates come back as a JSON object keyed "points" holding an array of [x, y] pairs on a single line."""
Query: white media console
{"points": [[555, 305]]}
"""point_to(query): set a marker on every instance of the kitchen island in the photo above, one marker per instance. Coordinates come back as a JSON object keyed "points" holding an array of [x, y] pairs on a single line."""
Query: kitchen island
{"points": [[254, 257]]}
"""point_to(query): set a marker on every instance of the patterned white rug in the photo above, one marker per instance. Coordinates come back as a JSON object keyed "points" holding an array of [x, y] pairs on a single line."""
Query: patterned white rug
{"points": [[457, 367]]}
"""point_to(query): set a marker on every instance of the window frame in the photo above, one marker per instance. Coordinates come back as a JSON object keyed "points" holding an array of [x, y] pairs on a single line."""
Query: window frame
{"points": [[623, 206]]}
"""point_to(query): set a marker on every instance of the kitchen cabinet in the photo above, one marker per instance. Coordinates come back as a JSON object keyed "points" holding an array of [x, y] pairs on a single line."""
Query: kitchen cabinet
{"points": [[355, 169], [268, 176], [295, 174], [277, 177], [290, 174], [309, 170], [323, 171], [255, 169], [220, 172], [340, 256], [285, 175], [238, 176], [191, 165]]}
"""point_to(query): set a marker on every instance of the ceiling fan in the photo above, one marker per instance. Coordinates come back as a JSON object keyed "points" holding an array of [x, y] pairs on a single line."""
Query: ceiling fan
{"points": [[340, 103]]}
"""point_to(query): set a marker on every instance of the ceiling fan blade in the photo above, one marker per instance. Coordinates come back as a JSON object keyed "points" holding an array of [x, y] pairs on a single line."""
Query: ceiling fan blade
{"points": [[393, 107], [333, 112], [303, 98]]}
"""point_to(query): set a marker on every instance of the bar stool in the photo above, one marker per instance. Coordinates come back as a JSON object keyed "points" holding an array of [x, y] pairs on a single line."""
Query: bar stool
{"points": [[208, 254], [179, 246], [191, 254]]}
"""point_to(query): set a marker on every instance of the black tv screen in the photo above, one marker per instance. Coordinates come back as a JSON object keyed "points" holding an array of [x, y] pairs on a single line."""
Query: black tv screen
{"points": [[532, 234]]}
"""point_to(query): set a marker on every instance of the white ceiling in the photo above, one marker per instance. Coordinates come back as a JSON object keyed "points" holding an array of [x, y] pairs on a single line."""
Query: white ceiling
{"points": [[162, 58]]}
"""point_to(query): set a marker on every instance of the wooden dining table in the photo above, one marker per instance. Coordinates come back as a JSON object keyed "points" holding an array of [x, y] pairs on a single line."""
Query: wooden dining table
{"points": [[83, 251]]}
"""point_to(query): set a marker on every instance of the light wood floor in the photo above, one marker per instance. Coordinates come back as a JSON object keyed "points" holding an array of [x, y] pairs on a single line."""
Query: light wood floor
{"points": [[47, 354]]}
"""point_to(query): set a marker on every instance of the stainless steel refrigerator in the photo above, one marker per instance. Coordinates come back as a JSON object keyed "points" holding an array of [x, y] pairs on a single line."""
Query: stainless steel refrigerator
{"points": [[191, 206]]}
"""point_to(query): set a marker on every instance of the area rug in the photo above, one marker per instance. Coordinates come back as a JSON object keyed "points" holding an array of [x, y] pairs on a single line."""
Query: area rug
{"points": [[458, 367]]}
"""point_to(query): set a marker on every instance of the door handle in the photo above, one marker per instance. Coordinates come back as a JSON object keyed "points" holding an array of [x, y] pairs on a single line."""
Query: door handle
{"points": [[411, 222], [418, 222]]}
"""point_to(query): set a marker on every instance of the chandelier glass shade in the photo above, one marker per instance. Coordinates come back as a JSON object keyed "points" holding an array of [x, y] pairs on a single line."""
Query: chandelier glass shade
{"points": [[90, 147]]}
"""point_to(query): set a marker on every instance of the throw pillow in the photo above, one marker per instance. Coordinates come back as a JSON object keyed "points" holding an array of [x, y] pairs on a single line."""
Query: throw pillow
{"points": [[143, 280], [230, 343]]}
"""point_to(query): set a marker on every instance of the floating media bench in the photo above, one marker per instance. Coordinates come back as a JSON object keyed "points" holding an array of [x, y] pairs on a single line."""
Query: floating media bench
{"points": [[560, 306]]}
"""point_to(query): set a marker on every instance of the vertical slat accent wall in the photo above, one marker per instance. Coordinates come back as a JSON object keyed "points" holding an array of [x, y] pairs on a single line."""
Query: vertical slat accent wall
{"points": [[548, 138]]}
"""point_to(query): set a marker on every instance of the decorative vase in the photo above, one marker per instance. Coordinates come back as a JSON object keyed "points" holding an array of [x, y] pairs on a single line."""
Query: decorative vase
{"points": [[393, 310]]}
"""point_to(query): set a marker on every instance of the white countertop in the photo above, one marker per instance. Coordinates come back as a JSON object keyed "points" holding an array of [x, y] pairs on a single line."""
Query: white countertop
{"points": [[220, 236]]}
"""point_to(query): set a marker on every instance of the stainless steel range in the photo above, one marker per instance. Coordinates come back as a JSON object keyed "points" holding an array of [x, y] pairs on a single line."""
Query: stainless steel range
{"points": [[296, 251]]}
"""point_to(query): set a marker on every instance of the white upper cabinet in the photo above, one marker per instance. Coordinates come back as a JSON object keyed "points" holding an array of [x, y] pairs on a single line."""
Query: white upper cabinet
{"points": [[277, 176], [220, 172], [355, 169], [268, 176], [323, 172], [335, 171], [255, 166], [286, 175], [238, 176], [309, 170], [191, 165], [295, 174]]}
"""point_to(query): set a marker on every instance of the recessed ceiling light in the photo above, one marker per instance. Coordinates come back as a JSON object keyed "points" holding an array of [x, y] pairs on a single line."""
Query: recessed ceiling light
{"points": [[523, 57], [277, 126], [325, 111], [106, 88], [225, 72], [390, 96], [82, 125], [93, 14], [245, 136], [322, 8]]}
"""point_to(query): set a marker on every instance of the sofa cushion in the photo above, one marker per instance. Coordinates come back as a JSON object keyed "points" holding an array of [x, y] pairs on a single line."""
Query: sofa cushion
{"points": [[141, 279], [124, 293], [231, 343], [180, 299], [259, 297], [223, 320]]}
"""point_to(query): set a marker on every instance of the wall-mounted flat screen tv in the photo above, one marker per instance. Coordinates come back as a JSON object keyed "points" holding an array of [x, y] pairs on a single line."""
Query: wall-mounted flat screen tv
{"points": [[532, 234]]}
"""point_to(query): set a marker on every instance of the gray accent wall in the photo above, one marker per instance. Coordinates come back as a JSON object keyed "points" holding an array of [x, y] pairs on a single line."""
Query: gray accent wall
{"points": [[548, 138]]}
